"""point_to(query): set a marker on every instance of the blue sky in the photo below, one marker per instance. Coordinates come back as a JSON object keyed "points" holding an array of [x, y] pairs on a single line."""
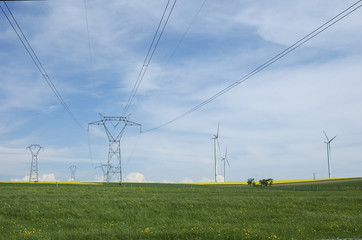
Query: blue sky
{"points": [[272, 124]]}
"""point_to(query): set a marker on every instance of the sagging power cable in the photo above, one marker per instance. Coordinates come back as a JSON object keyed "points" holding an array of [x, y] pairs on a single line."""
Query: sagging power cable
{"points": [[274, 59], [37, 63], [151, 51]]}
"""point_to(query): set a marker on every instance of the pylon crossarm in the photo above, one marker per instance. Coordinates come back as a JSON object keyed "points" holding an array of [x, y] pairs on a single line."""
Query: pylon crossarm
{"points": [[114, 119], [119, 136], [132, 123], [100, 122], [34, 147]]}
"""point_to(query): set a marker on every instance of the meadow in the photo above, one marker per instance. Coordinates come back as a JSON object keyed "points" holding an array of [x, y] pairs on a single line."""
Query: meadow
{"points": [[327, 210]]}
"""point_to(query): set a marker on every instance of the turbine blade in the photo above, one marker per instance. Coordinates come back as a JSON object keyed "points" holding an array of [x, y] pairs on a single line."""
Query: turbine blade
{"points": [[332, 139], [218, 126], [326, 135], [227, 161]]}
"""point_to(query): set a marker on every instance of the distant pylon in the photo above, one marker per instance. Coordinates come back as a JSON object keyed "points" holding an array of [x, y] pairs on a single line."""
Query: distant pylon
{"points": [[72, 168], [103, 166], [34, 149], [114, 139]]}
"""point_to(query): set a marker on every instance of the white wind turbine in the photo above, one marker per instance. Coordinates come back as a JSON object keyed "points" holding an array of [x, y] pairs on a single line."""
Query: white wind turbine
{"points": [[225, 159], [329, 153], [216, 141]]}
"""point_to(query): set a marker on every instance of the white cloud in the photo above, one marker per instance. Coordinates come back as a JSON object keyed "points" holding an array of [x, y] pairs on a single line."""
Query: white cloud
{"points": [[135, 177], [167, 181], [302, 17], [186, 180], [26, 178], [204, 179], [50, 177], [98, 179], [47, 177], [220, 178]]}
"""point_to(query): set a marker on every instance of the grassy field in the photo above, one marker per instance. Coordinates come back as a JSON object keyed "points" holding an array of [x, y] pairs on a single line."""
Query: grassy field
{"points": [[181, 211]]}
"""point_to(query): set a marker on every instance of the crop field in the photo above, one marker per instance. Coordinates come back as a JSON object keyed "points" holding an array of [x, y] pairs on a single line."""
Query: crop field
{"points": [[323, 210]]}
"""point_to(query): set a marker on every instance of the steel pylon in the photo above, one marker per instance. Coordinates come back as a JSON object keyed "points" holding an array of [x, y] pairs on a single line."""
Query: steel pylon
{"points": [[34, 150], [114, 163], [72, 169]]}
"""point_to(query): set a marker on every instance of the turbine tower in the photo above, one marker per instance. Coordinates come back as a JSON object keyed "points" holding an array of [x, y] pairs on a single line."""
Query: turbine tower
{"points": [[114, 140], [34, 149], [216, 141], [329, 152], [72, 168], [225, 160]]}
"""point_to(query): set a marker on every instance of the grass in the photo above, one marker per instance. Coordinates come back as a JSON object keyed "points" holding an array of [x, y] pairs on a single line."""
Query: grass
{"points": [[180, 211]]}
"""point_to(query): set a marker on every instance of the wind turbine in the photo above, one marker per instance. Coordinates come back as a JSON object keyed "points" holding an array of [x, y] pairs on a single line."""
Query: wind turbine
{"points": [[225, 159], [216, 140], [329, 152]]}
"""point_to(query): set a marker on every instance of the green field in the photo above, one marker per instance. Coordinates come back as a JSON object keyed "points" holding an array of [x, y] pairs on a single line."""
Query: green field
{"points": [[180, 211]]}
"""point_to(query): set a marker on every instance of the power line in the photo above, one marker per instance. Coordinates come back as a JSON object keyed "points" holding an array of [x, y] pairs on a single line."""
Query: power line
{"points": [[38, 64], [89, 45], [150, 53], [183, 37], [133, 150], [282, 54]]}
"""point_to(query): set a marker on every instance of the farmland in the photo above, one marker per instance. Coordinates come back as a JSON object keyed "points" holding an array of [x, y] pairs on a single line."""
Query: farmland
{"points": [[181, 211]]}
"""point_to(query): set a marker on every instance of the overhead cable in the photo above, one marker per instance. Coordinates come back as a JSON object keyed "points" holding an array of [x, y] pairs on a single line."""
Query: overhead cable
{"points": [[183, 36], [89, 44], [150, 53], [282, 54], [38, 64]]}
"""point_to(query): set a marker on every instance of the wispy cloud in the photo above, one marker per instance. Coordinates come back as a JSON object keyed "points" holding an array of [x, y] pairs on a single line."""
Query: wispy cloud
{"points": [[274, 119]]}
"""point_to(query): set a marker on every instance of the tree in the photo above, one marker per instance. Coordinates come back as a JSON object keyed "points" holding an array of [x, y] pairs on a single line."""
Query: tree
{"points": [[263, 182], [251, 181], [266, 182]]}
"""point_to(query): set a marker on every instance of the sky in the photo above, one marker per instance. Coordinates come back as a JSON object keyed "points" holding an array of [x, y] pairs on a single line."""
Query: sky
{"points": [[272, 124]]}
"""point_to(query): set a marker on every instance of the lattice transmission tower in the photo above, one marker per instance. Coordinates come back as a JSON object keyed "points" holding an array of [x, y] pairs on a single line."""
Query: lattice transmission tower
{"points": [[114, 163], [72, 169], [103, 166], [34, 150]]}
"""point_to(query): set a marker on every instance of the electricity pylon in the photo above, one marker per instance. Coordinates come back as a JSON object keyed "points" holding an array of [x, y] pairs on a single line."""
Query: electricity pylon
{"points": [[34, 149], [72, 168], [114, 140], [103, 166]]}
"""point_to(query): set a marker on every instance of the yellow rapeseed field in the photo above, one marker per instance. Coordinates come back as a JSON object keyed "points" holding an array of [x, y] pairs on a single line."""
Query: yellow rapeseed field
{"points": [[274, 181], [55, 182]]}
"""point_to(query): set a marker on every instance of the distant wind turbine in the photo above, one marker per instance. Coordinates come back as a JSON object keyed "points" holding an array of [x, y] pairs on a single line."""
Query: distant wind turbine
{"points": [[216, 141], [225, 159], [329, 152]]}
